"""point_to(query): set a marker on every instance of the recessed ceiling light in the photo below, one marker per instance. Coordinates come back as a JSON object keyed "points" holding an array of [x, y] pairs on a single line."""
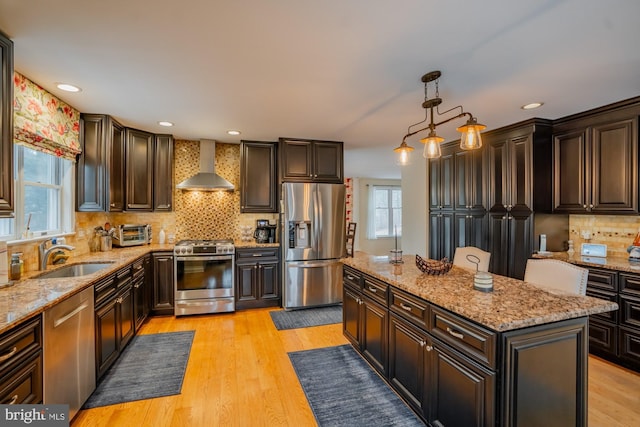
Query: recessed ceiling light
{"points": [[167, 124], [532, 105], [67, 87], [233, 132]]}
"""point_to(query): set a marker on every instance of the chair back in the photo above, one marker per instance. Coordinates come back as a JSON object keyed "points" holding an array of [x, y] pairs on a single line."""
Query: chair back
{"points": [[554, 274], [460, 258]]}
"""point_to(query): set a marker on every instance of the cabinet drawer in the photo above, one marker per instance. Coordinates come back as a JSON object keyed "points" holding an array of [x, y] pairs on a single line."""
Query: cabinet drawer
{"points": [[104, 290], [123, 277], [630, 311], [409, 307], [250, 255], [19, 342], [24, 384], [376, 290], [630, 284], [602, 279], [351, 276], [464, 336], [603, 336], [137, 268], [611, 316]]}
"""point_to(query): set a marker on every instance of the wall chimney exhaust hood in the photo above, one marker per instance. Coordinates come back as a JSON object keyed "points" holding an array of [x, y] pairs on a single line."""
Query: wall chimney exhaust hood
{"points": [[207, 179]]}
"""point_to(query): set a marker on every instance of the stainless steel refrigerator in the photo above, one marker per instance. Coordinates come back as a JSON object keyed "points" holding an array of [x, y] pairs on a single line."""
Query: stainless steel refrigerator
{"points": [[313, 241]]}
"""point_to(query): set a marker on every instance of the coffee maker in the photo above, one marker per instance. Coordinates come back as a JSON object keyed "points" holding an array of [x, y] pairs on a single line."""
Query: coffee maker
{"points": [[265, 232]]}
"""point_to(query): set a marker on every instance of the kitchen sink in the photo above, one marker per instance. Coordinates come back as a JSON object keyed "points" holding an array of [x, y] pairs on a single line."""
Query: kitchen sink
{"points": [[75, 270]]}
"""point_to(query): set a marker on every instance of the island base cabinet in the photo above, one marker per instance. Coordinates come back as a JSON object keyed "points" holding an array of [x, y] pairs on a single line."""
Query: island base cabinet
{"points": [[545, 375], [351, 315], [460, 392], [374, 334]]}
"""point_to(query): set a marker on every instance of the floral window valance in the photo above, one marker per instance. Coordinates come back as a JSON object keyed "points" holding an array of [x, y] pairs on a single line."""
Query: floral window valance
{"points": [[43, 122]]}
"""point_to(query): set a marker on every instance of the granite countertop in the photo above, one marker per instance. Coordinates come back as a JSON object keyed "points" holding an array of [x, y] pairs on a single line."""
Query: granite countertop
{"points": [[239, 244], [31, 296], [512, 304], [617, 263]]}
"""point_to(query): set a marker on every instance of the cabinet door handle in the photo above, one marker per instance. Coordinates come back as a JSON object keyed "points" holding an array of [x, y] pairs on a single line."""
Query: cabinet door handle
{"points": [[13, 400], [374, 290], [360, 301], [429, 348], [8, 354], [591, 206], [405, 307], [455, 334]]}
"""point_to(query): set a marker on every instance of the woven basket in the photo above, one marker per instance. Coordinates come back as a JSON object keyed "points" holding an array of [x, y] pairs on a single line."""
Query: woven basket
{"points": [[433, 267]]}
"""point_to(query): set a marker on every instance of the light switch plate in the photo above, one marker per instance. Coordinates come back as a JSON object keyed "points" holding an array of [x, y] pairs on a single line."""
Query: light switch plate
{"points": [[593, 249]]}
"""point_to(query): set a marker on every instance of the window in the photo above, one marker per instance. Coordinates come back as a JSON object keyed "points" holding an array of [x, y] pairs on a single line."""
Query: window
{"points": [[44, 196], [387, 210]]}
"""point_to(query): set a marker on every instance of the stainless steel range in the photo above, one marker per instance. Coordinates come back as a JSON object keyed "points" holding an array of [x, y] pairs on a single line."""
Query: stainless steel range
{"points": [[204, 276]]}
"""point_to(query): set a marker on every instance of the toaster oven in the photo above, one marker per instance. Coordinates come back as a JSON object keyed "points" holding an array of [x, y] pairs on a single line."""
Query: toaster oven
{"points": [[132, 235]]}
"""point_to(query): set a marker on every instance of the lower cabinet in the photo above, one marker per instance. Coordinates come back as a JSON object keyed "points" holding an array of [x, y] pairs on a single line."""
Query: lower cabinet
{"points": [[615, 335], [454, 372], [257, 277], [115, 325], [163, 294], [21, 364]]}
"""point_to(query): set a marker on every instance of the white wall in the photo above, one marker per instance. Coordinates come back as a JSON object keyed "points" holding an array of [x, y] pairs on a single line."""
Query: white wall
{"points": [[361, 201], [415, 192]]}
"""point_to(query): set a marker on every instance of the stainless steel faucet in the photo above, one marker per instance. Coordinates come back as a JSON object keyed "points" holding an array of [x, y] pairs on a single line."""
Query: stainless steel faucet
{"points": [[46, 252]]}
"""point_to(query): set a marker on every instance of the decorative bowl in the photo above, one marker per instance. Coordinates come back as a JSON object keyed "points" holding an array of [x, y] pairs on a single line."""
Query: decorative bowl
{"points": [[433, 267]]}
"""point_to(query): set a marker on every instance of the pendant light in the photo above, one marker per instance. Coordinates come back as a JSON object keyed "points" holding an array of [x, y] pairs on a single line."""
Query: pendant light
{"points": [[469, 140]]}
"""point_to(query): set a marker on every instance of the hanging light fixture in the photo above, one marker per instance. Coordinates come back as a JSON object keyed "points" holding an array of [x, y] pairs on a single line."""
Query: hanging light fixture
{"points": [[469, 140]]}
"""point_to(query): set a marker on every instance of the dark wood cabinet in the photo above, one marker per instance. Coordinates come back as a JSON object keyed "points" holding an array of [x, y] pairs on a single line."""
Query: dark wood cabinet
{"points": [[139, 170], [596, 165], [258, 177], [162, 300], [141, 287], [114, 317], [520, 183], [457, 201], [365, 318], [303, 160], [100, 168], [6, 126], [21, 364], [257, 277], [163, 173]]}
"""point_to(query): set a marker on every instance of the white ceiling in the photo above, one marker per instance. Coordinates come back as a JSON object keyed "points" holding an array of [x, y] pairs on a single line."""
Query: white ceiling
{"points": [[344, 70]]}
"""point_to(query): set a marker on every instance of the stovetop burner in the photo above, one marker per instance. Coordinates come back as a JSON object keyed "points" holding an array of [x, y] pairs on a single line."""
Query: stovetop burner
{"points": [[205, 247]]}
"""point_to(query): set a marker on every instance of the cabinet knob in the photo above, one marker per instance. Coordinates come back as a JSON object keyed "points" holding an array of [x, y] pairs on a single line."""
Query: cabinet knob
{"points": [[584, 206], [504, 217], [591, 206], [429, 348], [505, 206], [112, 205]]}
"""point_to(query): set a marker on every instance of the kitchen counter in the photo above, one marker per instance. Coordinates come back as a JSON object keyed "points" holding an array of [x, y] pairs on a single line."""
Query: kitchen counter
{"points": [[513, 304], [239, 244], [617, 263], [30, 296]]}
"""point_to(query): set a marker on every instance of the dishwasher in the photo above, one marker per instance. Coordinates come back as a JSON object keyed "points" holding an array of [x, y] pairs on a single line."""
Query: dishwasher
{"points": [[69, 352]]}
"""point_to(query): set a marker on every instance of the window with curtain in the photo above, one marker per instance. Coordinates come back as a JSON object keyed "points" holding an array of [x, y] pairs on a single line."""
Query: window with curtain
{"points": [[44, 196], [385, 211]]}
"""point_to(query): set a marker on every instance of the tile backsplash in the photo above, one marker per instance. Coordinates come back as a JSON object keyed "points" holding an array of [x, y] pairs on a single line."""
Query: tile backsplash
{"points": [[617, 232]]}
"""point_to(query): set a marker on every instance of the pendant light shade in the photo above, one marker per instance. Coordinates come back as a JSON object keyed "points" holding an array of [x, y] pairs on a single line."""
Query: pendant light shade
{"points": [[403, 152], [471, 139], [432, 146]]}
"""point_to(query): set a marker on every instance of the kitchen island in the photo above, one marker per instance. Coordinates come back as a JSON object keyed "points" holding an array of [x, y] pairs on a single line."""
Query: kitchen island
{"points": [[514, 356]]}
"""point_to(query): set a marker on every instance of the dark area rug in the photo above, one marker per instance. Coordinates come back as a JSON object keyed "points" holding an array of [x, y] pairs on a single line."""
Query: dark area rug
{"points": [[150, 366], [343, 390], [306, 317]]}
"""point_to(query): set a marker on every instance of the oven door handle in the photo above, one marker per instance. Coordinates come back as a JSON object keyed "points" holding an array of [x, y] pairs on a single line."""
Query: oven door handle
{"points": [[203, 258]]}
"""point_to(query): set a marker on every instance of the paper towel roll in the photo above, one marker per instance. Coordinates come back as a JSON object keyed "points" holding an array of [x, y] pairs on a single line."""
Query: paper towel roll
{"points": [[4, 264]]}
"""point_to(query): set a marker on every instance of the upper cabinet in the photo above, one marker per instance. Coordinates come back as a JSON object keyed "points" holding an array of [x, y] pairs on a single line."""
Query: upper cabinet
{"points": [[139, 161], [6, 126], [163, 173], [258, 177], [122, 169], [304, 160], [596, 163], [100, 167]]}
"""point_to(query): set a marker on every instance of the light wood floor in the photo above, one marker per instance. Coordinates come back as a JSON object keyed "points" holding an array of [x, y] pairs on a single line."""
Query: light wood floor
{"points": [[239, 374]]}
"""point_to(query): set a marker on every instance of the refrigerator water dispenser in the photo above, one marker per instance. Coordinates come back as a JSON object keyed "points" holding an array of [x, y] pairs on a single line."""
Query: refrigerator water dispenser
{"points": [[300, 234]]}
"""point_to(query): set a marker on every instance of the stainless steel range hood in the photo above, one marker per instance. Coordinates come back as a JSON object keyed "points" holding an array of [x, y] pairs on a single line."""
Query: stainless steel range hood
{"points": [[207, 179]]}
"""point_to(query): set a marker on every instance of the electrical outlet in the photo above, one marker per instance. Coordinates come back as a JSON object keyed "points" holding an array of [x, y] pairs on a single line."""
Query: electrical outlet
{"points": [[586, 235]]}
